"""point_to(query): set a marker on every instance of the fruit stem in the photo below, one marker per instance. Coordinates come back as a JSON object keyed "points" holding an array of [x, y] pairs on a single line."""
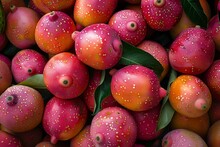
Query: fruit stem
{"points": [[117, 45], [163, 92], [53, 16], [201, 104], [74, 34], [159, 3], [197, 26], [11, 100], [131, 26], [167, 141], [65, 81], [99, 138], [53, 140], [13, 8], [30, 71]]}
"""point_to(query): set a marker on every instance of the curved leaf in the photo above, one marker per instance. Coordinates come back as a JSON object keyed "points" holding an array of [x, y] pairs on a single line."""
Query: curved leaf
{"points": [[102, 77], [194, 11], [102, 91], [167, 111], [35, 81], [134, 55]]}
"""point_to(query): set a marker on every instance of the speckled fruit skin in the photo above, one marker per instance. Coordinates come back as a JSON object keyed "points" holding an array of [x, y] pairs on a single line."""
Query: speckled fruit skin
{"points": [[20, 35], [137, 88], [98, 46], [182, 138], [190, 96], [113, 126], [158, 52], [83, 138], [6, 77], [213, 29], [21, 106], [53, 32], [63, 119], [130, 25], [147, 123], [9, 140], [212, 79], [89, 94], [65, 76], [91, 12], [192, 52], [27, 63], [161, 15]]}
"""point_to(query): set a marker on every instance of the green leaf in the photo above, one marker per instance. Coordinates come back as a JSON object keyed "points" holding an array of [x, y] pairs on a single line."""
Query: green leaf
{"points": [[134, 55], [194, 11], [102, 91], [167, 111], [35, 81], [102, 77]]}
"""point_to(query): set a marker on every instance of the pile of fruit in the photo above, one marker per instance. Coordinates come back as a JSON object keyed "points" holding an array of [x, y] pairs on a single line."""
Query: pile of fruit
{"points": [[128, 73]]}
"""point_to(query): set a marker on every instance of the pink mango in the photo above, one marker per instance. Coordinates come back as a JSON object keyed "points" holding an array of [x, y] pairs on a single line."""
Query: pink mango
{"points": [[113, 126], [90, 12], [192, 52], [65, 76], [27, 63], [20, 28], [98, 46], [130, 25], [161, 15], [137, 88], [53, 32], [21, 106], [63, 119]]}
